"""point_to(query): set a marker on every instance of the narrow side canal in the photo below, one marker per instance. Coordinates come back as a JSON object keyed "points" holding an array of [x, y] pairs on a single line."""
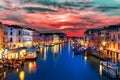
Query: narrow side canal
{"points": [[59, 63]]}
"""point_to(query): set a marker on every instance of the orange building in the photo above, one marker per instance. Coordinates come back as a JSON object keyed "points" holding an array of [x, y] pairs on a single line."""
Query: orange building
{"points": [[3, 36], [108, 38]]}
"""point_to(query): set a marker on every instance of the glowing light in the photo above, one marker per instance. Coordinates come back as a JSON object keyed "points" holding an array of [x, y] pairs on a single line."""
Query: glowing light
{"points": [[82, 42], [22, 75], [4, 74], [113, 49], [45, 54], [103, 43], [100, 70], [101, 48], [17, 70], [85, 57], [0, 55], [41, 49], [62, 27], [56, 48], [34, 66], [30, 67]]}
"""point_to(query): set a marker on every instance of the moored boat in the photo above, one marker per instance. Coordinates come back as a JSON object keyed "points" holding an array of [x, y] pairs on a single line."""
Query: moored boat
{"points": [[79, 50], [109, 68], [31, 53]]}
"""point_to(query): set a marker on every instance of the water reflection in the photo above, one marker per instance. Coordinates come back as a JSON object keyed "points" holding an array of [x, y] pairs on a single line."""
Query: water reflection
{"points": [[41, 50], [72, 54], [45, 51], [67, 66], [60, 48], [22, 75], [32, 67], [3, 75], [69, 45], [100, 70], [17, 70], [85, 58], [55, 50]]}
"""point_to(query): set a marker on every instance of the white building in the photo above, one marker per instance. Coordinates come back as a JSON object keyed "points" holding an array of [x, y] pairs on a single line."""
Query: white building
{"points": [[19, 36]]}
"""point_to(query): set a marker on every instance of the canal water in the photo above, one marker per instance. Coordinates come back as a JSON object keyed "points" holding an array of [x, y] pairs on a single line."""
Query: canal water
{"points": [[59, 63]]}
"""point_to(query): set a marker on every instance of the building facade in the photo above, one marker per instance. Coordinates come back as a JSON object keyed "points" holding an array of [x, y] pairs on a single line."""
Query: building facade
{"points": [[36, 37], [52, 38], [19, 36], [107, 38], [3, 36]]}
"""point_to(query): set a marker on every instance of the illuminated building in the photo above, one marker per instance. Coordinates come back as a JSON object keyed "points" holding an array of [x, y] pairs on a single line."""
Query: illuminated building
{"points": [[49, 38], [3, 38], [19, 36], [55, 39], [36, 37], [108, 38], [113, 44]]}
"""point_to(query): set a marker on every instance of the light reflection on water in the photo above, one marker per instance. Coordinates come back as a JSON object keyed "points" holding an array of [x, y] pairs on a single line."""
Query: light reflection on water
{"points": [[32, 67], [45, 51], [85, 58], [67, 66], [69, 44], [22, 75], [41, 50], [100, 70]]}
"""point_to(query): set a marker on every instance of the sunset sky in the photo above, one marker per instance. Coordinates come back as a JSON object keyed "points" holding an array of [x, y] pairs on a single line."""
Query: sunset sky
{"points": [[70, 16]]}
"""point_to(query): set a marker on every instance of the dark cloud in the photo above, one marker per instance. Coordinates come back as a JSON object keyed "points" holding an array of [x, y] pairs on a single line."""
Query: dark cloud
{"points": [[107, 8], [15, 18], [1, 6], [34, 9]]}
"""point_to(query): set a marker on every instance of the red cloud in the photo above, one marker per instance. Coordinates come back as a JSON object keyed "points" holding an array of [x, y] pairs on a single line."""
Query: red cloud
{"points": [[79, 21]]}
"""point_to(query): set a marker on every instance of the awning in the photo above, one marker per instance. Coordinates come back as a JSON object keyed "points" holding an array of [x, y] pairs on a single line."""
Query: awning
{"points": [[15, 50]]}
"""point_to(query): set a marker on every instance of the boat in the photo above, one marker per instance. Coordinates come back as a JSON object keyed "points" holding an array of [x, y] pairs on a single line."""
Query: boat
{"points": [[109, 68], [31, 53], [79, 50]]}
